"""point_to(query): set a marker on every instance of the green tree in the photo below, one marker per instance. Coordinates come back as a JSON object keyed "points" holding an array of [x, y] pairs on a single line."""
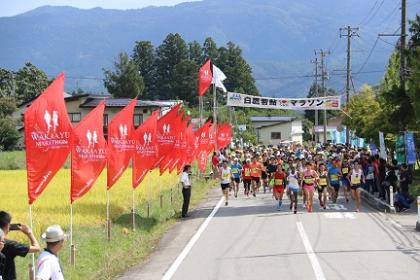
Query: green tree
{"points": [[184, 84], [237, 70], [195, 53], [30, 82], [8, 133], [144, 58], [7, 83], [7, 106], [171, 52], [125, 80], [413, 65], [365, 112], [210, 50]]}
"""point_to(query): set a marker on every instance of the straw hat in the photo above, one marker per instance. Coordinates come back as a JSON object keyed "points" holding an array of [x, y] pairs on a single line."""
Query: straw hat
{"points": [[53, 233]]}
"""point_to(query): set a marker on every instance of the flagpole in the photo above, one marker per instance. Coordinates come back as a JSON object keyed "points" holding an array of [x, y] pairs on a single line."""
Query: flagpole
{"points": [[200, 107], [72, 247], [215, 112], [133, 212], [32, 265], [108, 222]]}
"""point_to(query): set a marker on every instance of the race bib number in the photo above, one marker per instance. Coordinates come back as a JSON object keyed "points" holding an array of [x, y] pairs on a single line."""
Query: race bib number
{"points": [[278, 182], [334, 177], [309, 181], [323, 181], [247, 172], [226, 176], [345, 170], [355, 180]]}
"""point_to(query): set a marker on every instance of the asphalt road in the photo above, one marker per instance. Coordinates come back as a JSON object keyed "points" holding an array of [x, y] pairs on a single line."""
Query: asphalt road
{"points": [[250, 239]]}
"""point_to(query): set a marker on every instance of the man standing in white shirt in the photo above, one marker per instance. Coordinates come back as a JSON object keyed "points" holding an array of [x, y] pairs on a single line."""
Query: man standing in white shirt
{"points": [[48, 264], [186, 190]]}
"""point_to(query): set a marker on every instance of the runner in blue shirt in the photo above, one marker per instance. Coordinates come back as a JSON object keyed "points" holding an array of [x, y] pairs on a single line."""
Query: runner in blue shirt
{"points": [[236, 169], [334, 175]]}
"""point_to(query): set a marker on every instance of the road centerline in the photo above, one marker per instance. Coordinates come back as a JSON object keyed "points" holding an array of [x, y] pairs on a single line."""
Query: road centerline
{"points": [[319, 274], [173, 268]]}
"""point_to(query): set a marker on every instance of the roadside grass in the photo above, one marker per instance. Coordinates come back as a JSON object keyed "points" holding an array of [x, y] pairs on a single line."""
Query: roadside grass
{"points": [[96, 258], [414, 188]]}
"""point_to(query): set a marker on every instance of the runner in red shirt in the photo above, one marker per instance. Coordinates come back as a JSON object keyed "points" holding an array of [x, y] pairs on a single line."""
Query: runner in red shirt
{"points": [[279, 184], [215, 165], [256, 172], [246, 176]]}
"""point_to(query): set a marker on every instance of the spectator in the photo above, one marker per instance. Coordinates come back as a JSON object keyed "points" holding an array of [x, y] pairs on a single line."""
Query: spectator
{"points": [[12, 248], [2, 257], [215, 164], [405, 179], [186, 190], [48, 265], [382, 176]]}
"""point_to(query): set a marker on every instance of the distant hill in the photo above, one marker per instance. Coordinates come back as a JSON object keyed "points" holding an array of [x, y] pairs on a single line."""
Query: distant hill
{"points": [[278, 37]]}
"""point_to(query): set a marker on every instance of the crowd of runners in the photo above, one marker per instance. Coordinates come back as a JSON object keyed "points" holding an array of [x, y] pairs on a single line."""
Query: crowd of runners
{"points": [[313, 173]]}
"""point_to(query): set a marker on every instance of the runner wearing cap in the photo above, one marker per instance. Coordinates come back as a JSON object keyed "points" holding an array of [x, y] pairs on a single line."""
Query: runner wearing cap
{"points": [[48, 266], [236, 170], [246, 176], [225, 179], [279, 184], [256, 172]]}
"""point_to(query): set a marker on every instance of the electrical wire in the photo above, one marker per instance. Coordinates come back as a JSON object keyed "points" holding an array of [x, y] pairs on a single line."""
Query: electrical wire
{"points": [[369, 55], [370, 11]]}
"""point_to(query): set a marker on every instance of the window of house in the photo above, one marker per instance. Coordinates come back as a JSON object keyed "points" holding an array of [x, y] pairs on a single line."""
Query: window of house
{"points": [[105, 120], [137, 119], [75, 117], [275, 135]]}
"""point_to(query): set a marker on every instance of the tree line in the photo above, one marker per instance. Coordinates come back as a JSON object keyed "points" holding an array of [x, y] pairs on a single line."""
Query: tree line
{"points": [[170, 70], [390, 107]]}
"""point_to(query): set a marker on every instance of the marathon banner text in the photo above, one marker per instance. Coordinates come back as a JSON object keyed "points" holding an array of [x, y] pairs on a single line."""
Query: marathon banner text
{"points": [[318, 103]]}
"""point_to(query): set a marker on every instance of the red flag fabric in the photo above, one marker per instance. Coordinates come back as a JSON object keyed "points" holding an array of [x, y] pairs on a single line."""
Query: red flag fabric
{"points": [[146, 152], [88, 157], [202, 153], [47, 137], [186, 149], [172, 156], [120, 143], [180, 145], [212, 139], [166, 133], [224, 135], [205, 78]]}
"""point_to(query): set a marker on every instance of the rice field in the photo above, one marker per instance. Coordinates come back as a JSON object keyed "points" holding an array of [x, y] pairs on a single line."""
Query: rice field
{"points": [[96, 258]]}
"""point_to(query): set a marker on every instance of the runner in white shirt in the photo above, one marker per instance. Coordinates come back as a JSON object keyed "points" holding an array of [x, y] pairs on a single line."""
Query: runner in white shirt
{"points": [[225, 179], [48, 266]]}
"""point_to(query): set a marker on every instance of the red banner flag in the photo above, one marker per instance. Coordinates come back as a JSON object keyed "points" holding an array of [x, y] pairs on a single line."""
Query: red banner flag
{"points": [[166, 132], [88, 157], [120, 143], [224, 135], [146, 152], [186, 149], [176, 125], [180, 145], [205, 78], [47, 137], [203, 146]]}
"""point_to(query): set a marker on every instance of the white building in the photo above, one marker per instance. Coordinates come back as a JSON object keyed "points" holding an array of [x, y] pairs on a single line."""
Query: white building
{"points": [[273, 130]]}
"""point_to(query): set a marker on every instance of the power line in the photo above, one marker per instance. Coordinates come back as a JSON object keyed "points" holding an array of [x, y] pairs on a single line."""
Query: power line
{"points": [[370, 11], [375, 13], [369, 55]]}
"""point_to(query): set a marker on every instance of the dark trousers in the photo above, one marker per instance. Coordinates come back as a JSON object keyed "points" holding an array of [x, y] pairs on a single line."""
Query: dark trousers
{"points": [[186, 193]]}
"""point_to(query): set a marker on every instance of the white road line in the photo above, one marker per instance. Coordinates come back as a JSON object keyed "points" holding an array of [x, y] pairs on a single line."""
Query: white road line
{"points": [[171, 271], [319, 274]]}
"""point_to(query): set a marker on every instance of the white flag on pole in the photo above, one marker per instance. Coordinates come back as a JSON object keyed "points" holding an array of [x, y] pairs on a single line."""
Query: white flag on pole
{"points": [[218, 78]]}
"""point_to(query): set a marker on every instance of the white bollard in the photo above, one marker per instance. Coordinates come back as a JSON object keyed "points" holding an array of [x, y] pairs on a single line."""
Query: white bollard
{"points": [[418, 212], [391, 199]]}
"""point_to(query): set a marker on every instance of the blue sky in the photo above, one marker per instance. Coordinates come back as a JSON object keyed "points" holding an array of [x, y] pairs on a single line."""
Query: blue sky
{"points": [[14, 7]]}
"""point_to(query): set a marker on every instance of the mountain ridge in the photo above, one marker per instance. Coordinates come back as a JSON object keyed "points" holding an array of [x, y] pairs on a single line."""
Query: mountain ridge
{"points": [[277, 37]]}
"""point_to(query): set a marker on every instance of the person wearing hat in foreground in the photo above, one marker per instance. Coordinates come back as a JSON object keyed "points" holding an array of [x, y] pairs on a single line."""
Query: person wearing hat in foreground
{"points": [[48, 264]]}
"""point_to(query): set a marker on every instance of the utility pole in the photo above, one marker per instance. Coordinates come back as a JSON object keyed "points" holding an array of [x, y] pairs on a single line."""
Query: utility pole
{"points": [[315, 61], [403, 45], [351, 31], [323, 55]]}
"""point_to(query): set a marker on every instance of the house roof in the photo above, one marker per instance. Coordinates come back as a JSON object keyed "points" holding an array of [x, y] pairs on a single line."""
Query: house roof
{"points": [[122, 102], [272, 119], [271, 125]]}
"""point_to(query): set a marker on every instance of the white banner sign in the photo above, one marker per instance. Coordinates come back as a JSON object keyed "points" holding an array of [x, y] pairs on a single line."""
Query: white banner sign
{"points": [[318, 103], [382, 146]]}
